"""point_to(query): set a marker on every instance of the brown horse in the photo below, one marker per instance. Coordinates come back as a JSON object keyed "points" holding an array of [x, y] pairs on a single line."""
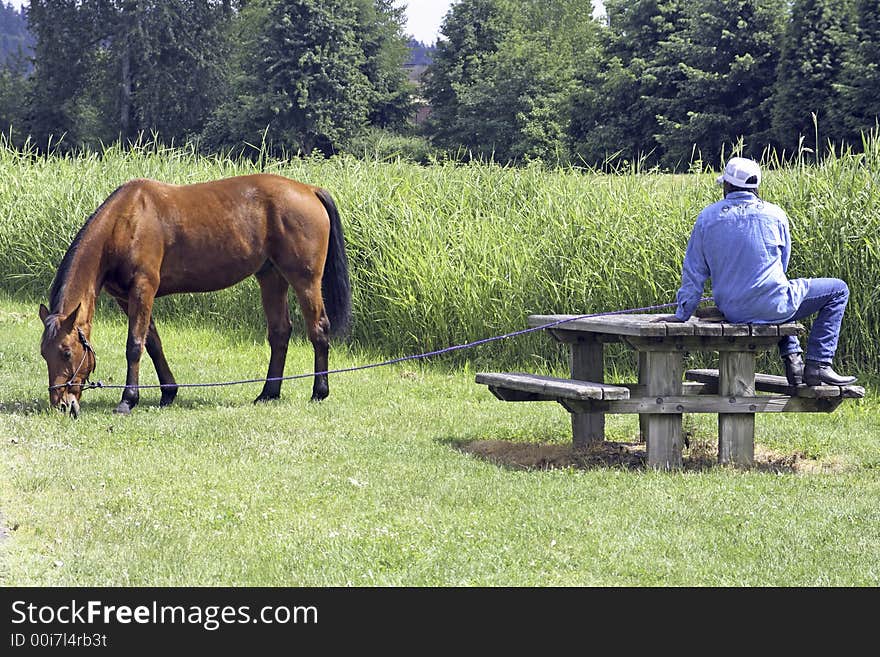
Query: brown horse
{"points": [[149, 239]]}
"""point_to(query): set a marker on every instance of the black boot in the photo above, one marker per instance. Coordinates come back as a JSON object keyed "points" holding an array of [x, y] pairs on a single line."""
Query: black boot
{"points": [[817, 374], [794, 368]]}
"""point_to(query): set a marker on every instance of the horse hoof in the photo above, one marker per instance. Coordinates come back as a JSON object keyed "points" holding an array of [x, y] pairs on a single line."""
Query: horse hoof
{"points": [[317, 397], [266, 398], [71, 409], [167, 399], [122, 409]]}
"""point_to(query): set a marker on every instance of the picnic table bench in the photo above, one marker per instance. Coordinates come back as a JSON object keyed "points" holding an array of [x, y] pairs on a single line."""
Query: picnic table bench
{"points": [[664, 390]]}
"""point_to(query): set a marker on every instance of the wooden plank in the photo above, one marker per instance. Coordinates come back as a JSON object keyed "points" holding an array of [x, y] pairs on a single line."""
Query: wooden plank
{"points": [[681, 328], [690, 388], [551, 387], [614, 324], [648, 325], [642, 325], [643, 385], [770, 383], [663, 376], [792, 328], [735, 330], [852, 392], [586, 364], [708, 328], [736, 432], [765, 330], [509, 395], [568, 337], [779, 384], [690, 403], [703, 343], [535, 321]]}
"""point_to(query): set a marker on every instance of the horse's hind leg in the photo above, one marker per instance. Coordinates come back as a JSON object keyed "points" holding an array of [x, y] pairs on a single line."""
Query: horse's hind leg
{"points": [[157, 355], [304, 275], [318, 327], [273, 289]]}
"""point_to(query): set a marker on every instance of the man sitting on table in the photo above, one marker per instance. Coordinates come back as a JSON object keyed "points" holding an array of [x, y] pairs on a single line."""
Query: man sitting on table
{"points": [[742, 243]]}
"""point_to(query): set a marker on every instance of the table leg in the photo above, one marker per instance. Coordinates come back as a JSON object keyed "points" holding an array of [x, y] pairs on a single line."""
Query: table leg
{"points": [[663, 375], [736, 431], [587, 364], [643, 381]]}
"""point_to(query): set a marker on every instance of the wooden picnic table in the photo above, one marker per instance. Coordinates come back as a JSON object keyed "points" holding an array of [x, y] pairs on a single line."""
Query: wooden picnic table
{"points": [[664, 391]]}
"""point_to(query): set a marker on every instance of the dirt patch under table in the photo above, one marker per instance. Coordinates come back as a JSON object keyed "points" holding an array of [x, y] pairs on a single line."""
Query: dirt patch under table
{"points": [[632, 456]]}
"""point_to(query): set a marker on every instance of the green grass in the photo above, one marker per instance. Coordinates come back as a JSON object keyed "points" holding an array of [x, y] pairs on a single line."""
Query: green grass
{"points": [[369, 487]]}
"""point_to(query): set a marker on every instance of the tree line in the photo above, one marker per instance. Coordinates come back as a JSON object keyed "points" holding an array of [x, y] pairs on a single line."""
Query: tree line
{"points": [[658, 82], [292, 75], [669, 82]]}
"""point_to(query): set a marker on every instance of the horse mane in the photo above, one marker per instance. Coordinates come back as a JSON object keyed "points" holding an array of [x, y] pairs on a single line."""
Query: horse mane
{"points": [[60, 280]]}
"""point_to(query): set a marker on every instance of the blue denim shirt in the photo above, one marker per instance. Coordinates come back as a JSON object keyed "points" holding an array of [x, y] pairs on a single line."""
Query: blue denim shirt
{"points": [[742, 243]]}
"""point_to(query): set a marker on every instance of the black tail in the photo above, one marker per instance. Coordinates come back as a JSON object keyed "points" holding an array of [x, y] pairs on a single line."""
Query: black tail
{"points": [[335, 284]]}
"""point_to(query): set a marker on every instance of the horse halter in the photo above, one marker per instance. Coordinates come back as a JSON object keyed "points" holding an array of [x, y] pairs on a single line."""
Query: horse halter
{"points": [[87, 349]]}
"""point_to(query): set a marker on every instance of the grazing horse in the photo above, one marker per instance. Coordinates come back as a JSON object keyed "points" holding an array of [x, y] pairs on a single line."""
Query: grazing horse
{"points": [[149, 239]]}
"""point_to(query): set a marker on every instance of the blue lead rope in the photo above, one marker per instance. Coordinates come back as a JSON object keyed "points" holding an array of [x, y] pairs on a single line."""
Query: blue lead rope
{"points": [[393, 361]]}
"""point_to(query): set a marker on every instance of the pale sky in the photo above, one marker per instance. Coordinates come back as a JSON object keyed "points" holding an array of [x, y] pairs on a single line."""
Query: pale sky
{"points": [[423, 18]]}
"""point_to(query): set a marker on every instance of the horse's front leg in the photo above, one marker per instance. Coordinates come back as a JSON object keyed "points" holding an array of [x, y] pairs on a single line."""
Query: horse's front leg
{"points": [[140, 310], [157, 354]]}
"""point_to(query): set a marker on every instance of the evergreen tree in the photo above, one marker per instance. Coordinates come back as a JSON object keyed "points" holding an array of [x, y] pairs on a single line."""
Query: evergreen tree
{"points": [[420, 53], [501, 84], [14, 88], [169, 54], [15, 40], [241, 118], [15, 45], [472, 33], [816, 39], [315, 88], [860, 85], [727, 57], [380, 32], [66, 34], [313, 74], [110, 69], [615, 112]]}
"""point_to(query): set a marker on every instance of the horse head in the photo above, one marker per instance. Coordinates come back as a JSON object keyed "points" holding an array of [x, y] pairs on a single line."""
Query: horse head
{"points": [[69, 357]]}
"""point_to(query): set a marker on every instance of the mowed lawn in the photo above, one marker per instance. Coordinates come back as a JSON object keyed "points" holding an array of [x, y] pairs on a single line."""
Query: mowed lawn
{"points": [[372, 487]]}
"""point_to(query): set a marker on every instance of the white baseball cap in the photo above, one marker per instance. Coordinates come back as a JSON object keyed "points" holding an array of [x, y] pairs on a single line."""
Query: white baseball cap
{"points": [[741, 172]]}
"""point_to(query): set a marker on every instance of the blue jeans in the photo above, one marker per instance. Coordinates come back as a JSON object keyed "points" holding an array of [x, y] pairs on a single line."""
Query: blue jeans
{"points": [[828, 297]]}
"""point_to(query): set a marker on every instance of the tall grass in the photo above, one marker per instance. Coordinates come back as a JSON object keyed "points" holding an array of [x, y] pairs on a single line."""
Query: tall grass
{"points": [[446, 254]]}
